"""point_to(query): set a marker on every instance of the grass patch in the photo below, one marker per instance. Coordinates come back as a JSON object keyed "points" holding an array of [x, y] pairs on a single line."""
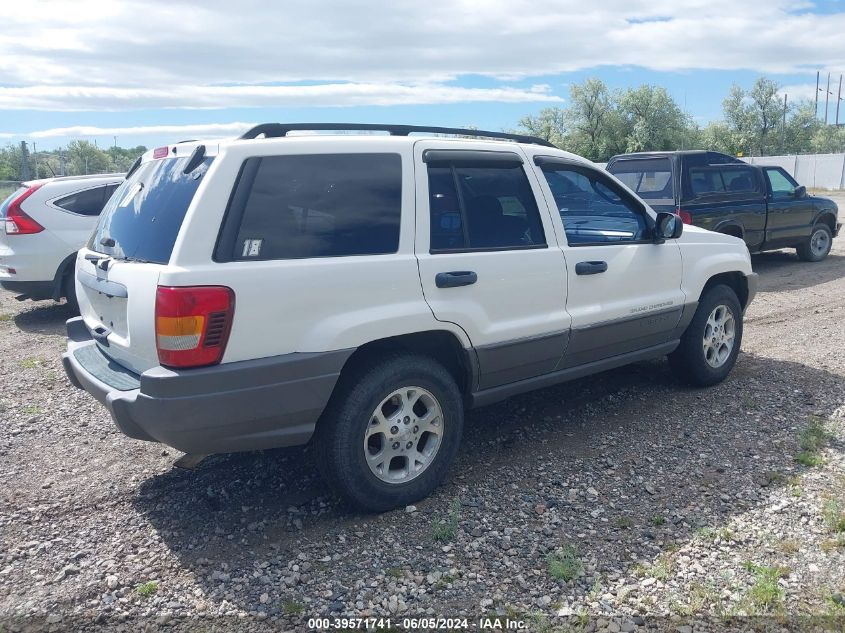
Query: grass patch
{"points": [[32, 409], [788, 546], [657, 520], [706, 533], [33, 363], [812, 439], [395, 572], [292, 607], [834, 516], [624, 522], [445, 529], [831, 545], [806, 458], [564, 563], [697, 599], [5, 317], [659, 569], [147, 589], [765, 594]]}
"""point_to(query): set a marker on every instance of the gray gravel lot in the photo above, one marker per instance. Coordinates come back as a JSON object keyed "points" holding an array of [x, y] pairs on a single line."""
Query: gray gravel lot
{"points": [[617, 502]]}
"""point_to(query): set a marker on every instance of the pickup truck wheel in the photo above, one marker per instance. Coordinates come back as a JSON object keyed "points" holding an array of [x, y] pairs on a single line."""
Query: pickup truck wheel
{"points": [[389, 435], [711, 342], [818, 246]]}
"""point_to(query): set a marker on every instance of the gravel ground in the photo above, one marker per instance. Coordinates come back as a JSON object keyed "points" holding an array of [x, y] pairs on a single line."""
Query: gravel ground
{"points": [[618, 502]]}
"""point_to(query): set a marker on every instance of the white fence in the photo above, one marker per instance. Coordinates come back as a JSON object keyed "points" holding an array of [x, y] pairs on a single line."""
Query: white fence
{"points": [[816, 171]]}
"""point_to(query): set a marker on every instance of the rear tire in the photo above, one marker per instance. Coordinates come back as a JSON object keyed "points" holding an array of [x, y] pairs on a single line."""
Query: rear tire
{"points": [[711, 342], [390, 433], [69, 291], [817, 247]]}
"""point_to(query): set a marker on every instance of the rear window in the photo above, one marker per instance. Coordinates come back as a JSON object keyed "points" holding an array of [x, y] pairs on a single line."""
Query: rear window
{"points": [[144, 215], [315, 205], [88, 201], [650, 178]]}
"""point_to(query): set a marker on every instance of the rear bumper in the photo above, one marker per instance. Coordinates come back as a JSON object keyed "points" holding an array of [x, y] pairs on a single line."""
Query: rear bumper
{"points": [[241, 406], [29, 289], [753, 281]]}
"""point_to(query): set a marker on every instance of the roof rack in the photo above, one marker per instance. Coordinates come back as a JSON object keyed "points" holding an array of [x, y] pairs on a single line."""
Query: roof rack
{"points": [[273, 130]]}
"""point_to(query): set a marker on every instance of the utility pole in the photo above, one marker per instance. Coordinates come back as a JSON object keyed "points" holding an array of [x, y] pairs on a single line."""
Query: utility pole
{"points": [[114, 154], [35, 159], [783, 126], [62, 171], [826, 98], [838, 99], [817, 95]]}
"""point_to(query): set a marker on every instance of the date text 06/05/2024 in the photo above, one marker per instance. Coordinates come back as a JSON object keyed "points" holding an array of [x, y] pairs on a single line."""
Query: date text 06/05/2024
{"points": [[489, 623]]}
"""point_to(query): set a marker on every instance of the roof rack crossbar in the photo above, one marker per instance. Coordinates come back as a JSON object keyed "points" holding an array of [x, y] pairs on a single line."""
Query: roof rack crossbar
{"points": [[274, 130]]}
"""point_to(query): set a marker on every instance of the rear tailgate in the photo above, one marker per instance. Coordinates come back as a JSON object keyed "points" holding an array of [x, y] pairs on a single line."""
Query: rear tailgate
{"points": [[118, 270]]}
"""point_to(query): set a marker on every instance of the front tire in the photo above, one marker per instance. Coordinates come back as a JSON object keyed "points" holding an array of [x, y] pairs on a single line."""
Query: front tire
{"points": [[817, 247], [390, 433], [711, 342]]}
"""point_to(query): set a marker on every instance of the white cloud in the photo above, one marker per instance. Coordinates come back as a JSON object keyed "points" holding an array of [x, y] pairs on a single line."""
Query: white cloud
{"points": [[203, 130], [197, 96], [128, 54]]}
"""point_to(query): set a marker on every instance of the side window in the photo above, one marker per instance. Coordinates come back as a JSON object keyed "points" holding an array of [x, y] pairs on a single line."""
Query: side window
{"points": [[482, 207], [87, 202], [738, 179], [782, 185], [705, 180], [320, 205], [592, 208]]}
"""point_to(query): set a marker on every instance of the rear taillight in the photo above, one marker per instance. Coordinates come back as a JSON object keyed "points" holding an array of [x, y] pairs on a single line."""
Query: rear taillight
{"points": [[193, 324], [685, 216], [17, 222]]}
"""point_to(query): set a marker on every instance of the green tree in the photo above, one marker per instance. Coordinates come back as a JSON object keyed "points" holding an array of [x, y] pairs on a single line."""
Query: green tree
{"points": [[549, 125], [754, 116], [590, 120], [653, 120], [84, 157]]}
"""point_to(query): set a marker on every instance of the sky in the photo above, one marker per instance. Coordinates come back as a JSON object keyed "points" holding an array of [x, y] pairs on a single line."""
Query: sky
{"points": [[155, 72]]}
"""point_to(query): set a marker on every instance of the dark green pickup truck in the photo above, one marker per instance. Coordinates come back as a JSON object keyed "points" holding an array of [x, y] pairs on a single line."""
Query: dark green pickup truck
{"points": [[763, 205]]}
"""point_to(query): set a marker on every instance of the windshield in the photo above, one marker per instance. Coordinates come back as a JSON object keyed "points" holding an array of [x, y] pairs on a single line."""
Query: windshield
{"points": [[650, 178], [142, 218]]}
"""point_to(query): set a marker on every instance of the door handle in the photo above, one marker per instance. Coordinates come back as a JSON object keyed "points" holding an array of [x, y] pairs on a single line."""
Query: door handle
{"points": [[590, 268], [455, 278]]}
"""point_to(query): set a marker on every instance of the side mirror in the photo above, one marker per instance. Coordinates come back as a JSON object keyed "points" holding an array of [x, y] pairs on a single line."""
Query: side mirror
{"points": [[800, 192], [668, 226]]}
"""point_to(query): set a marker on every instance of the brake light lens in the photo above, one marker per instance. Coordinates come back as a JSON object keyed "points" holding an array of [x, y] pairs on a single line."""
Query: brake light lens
{"points": [[193, 324], [685, 216], [16, 221]]}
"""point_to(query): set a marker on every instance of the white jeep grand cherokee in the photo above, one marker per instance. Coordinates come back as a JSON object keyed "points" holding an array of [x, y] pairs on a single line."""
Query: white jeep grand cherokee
{"points": [[365, 290]]}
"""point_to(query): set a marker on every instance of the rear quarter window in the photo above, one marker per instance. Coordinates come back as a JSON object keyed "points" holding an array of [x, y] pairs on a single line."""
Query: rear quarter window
{"points": [[88, 201], [314, 205]]}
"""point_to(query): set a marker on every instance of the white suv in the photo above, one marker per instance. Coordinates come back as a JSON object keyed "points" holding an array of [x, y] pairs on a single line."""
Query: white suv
{"points": [[364, 290], [42, 225]]}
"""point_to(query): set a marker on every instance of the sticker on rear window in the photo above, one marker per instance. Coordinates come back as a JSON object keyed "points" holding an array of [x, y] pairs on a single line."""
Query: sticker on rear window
{"points": [[252, 248]]}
